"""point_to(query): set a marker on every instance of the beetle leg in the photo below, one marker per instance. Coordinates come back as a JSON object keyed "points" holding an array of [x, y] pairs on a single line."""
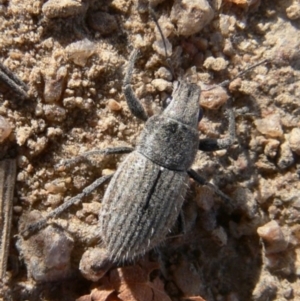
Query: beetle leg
{"points": [[209, 145], [201, 181], [13, 82], [134, 105], [85, 156], [86, 191]]}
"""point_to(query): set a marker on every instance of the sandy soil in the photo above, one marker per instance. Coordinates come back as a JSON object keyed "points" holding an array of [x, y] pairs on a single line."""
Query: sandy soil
{"points": [[72, 55]]}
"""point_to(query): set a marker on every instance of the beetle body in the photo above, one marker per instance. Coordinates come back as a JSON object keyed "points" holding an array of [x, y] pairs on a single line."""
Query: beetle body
{"points": [[145, 195]]}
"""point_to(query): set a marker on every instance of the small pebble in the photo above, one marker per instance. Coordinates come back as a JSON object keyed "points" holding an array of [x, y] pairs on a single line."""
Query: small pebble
{"points": [[191, 16], [91, 208], [247, 87], [224, 24], [78, 102], [54, 85], [266, 190], [286, 158], [47, 254], [80, 51], [56, 186], [5, 129], [266, 287], [22, 134], [114, 105], [63, 8], [273, 237], [54, 132], [161, 84], [166, 26], [54, 200], [163, 73], [214, 98], [265, 165], [235, 85], [271, 148], [216, 64], [54, 112], [102, 22], [159, 47], [270, 126], [293, 11], [294, 140], [37, 146], [107, 171]]}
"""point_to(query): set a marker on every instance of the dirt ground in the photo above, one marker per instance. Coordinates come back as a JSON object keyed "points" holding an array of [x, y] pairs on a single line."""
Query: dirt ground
{"points": [[72, 55]]}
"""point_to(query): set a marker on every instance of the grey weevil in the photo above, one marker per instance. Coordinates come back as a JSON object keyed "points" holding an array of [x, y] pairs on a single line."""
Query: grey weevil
{"points": [[146, 193]]}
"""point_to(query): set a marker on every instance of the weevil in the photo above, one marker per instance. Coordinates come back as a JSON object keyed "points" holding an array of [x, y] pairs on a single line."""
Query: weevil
{"points": [[144, 197]]}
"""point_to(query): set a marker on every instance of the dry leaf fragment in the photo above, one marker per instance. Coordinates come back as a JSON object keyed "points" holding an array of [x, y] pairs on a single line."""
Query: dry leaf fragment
{"points": [[127, 275], [158, 288], [136, 292], [102, 294], [130, 283], [134, 285]]}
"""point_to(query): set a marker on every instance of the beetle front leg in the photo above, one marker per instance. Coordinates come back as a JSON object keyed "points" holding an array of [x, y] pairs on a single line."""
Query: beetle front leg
{"points": [[209, 145], [134, 104]]}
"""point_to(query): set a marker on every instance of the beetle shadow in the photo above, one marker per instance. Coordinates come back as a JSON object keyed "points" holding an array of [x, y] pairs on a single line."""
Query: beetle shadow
{"points": [[211, 258]]}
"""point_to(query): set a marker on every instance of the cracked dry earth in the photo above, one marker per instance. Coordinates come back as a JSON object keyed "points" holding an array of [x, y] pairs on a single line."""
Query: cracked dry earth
{"points": [[72, 56]]}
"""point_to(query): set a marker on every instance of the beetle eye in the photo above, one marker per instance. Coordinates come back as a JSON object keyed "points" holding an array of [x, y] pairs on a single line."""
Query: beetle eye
{"points": [[200, 115]]}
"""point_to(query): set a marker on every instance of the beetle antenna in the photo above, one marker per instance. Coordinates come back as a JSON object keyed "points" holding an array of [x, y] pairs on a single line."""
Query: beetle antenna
{"points": [[240, 74], [168, 58]]}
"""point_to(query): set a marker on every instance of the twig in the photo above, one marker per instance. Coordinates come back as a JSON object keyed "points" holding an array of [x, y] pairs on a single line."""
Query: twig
{"points": [[7, 184]]}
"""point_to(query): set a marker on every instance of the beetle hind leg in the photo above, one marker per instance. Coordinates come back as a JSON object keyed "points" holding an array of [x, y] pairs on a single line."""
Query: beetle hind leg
{"points": [[228, 202], [43, 222]]}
